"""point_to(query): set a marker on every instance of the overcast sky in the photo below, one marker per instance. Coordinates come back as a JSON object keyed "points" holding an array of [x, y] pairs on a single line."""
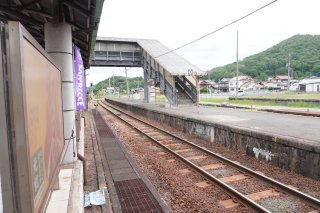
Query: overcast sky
{"points": [[176, 22]]}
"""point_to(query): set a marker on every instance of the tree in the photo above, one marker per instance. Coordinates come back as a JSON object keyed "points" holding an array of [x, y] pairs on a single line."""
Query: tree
{"points": [[304, 50]]}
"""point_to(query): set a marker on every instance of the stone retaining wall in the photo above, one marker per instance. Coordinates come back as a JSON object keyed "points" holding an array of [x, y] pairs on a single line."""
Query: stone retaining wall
{"points": [[285, 152]]}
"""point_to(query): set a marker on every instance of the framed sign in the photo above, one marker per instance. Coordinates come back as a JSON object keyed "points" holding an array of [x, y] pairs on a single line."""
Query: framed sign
{"points": [[35, 116]]}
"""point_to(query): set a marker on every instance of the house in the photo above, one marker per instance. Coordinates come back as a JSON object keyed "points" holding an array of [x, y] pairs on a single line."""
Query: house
{"points": [[209, 84], [250, 86], [280, 79], [111, 90], [311, 84], [279, 82], [204, 84], [223, 85], [244, 83], [263, 85]]}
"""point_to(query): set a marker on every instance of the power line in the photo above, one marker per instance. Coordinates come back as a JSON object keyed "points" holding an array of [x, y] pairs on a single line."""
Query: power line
{"points": [[227, 25]]}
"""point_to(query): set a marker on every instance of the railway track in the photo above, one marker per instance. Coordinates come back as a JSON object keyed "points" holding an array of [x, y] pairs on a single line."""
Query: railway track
{"points": [[192, 154]]}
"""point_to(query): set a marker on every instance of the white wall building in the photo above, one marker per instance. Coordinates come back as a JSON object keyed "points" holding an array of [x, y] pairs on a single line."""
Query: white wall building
{"points": [[279, 82], [310, 85], [244, 83]]}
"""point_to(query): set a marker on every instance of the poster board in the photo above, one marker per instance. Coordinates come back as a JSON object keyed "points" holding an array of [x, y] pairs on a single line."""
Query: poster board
{"points": [[35, 105]]}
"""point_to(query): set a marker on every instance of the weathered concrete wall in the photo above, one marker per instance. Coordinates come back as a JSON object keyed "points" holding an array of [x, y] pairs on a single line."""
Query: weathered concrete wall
{"points": [[284, 152]]}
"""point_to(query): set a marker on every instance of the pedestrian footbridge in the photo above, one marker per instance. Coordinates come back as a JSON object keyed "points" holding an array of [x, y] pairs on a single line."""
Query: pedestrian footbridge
{"points": [[176, 77]]}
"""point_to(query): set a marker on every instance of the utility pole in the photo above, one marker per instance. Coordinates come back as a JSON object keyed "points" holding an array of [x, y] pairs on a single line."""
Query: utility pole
{"points": [[237, 78], [127, 82], [289, 73]]}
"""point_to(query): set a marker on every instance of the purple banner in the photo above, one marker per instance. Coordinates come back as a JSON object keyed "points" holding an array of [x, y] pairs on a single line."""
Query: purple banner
{"points": [[80, 83]]}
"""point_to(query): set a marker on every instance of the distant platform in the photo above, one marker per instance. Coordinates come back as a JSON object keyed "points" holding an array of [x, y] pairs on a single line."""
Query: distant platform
{"points": [[299, 127], [287, 141]]}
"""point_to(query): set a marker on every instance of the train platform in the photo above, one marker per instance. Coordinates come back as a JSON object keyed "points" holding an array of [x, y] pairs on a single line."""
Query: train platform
{"points": [[296, 127], [128, 190], [285, 140]]}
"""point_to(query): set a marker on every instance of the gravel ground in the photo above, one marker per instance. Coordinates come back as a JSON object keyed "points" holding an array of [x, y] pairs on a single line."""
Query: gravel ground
{"points": [[92, 178], [179, 190]]}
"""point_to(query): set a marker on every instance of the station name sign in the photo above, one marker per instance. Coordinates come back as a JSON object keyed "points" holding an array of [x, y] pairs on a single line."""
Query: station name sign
{"points": [[80, 83]]}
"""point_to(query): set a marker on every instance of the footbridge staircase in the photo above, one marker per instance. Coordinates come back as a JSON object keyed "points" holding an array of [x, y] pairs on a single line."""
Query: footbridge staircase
{"points": [[175, 76]]}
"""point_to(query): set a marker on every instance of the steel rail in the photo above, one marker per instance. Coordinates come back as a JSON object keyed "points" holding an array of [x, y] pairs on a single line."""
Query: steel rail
{"points": [[231, 191], [314, 202]]}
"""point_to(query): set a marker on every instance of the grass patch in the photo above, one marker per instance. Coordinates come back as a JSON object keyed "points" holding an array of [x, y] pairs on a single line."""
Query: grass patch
{"points": [[161, 98], [214, 100], [290, 96], [299, 104]]}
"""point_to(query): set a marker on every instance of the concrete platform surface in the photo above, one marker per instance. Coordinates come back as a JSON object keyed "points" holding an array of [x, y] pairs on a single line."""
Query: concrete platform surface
{"points": [[129, 189], [300, 127]]}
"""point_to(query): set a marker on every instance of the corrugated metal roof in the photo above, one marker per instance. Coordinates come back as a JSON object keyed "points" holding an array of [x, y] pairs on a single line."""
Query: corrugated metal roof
{"points": [[172, 62], [310, 81], [82, 15]]}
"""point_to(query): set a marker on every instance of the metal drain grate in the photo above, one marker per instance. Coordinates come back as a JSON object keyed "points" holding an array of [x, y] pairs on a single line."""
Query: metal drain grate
{"points": [[135, 197]]}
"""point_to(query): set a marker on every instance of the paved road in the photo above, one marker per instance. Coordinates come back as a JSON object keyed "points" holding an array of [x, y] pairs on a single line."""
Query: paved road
{"points": [[307, 128]]}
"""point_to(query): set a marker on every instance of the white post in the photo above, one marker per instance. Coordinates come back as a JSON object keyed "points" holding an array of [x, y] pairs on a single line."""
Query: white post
{"points": [[58, 43]]}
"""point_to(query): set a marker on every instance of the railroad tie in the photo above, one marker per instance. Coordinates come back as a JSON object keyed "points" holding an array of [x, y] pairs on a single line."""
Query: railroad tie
{"points": [[230, 203]]}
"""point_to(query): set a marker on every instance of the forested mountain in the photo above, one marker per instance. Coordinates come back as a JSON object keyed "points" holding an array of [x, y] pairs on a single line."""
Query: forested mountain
{"points": [[305, 60], [120, 82]]}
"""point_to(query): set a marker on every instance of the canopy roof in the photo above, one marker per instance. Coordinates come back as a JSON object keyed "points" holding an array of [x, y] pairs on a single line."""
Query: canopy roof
{"points": [[83, 15]]}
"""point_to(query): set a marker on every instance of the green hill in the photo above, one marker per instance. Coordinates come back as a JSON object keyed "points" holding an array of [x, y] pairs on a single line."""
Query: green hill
{"points": [[120, 82], [305, 60]]}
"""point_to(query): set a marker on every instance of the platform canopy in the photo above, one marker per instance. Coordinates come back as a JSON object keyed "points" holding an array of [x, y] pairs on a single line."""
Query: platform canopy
{"points": [[83, 15]]}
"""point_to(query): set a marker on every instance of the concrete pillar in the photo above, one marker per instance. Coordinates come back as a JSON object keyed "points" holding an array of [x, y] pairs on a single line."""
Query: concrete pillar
{"points": [[146, 87], [58, 43]]}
